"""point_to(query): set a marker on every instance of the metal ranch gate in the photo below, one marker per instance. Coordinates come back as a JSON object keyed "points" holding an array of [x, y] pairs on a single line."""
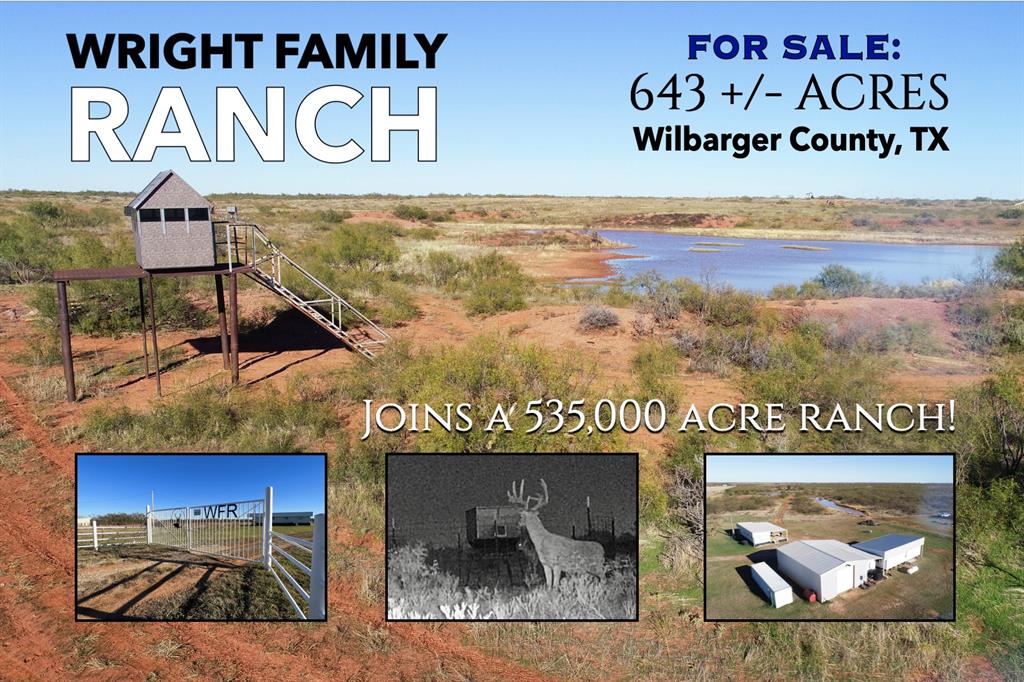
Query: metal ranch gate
{"points": [[241, 530]]}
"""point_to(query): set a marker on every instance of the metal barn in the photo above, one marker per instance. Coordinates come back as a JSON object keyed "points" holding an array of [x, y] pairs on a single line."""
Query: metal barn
{"points": [[778, 591], [893, 550], [761, 532], [828, 567], [491, 526], [171, 225], [285, 518]]}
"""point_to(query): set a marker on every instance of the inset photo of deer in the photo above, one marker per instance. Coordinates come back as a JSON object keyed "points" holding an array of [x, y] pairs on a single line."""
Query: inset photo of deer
{"points": [[512, 537]]}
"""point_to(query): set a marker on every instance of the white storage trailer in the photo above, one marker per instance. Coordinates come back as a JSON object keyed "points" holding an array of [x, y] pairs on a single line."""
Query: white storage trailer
{"points": [[761, 532], [778, 591], [828, 567], [893, 549]]}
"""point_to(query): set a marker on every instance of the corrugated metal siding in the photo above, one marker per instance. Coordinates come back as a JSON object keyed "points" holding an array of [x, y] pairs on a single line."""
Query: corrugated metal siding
{"points": [[885, 543], [759, 526], [772, 580]]}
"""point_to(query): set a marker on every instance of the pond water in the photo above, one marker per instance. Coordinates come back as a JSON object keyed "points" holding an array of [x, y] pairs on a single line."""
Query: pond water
{"points": [[759, 264], [832, 505]]}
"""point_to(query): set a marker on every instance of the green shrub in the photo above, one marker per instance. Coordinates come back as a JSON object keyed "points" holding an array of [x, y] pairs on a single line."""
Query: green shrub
{"points": [[365, 246], [111, 307], [332, 216], [800, 368], [1009, 261], [442, 269], [728, 307], [839, 281], [1013, 213], [410, 212], [28, 252], [654, 368], [660, 299], [784, 292], [495, 284]]}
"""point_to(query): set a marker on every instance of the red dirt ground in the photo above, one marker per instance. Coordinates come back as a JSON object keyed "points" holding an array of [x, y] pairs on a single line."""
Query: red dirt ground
{"points": [[39, 640]]}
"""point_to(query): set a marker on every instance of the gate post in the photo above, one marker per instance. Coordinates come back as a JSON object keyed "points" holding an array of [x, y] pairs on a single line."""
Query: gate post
{"points": [[95, 537], [149, 525], [268, 523], [318, 579], [188, 528]]}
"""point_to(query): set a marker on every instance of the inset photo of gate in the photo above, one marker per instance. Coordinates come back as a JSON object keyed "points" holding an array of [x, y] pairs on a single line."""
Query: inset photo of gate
{"points": [[200, 537], [512, 537], [852, 537]]}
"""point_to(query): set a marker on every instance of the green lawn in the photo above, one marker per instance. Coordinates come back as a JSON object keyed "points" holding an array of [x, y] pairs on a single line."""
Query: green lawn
{"points": [[731, 592]]}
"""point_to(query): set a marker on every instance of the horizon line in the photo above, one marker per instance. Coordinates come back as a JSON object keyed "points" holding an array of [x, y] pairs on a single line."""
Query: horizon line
{"points": [[886, 482], [978, 199]]}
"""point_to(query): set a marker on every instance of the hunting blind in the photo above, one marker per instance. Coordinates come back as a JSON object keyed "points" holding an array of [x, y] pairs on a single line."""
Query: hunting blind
{"points": [[176, 235]]}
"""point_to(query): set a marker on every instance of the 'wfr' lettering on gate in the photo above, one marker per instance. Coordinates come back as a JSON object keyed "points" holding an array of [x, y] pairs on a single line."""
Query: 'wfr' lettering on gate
{"points": [[216, 511]]}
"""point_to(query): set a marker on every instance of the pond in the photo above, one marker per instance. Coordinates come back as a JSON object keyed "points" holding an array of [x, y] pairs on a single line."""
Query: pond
{"points": [[759, 264], [832, 505]]}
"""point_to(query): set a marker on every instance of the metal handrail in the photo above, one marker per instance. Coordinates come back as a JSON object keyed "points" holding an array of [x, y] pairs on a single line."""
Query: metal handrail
{"points": [[258, 233]]}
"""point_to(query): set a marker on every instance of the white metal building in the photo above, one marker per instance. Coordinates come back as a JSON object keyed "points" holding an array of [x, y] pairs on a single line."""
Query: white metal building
{"points": [[778, 591], [893, 549], [84, 520], [828, 567], [761, 532]]}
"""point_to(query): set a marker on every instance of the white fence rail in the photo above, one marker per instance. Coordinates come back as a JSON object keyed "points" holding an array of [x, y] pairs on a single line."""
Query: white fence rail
{"points": [[316, 596], [241, 530], [95, 536]]}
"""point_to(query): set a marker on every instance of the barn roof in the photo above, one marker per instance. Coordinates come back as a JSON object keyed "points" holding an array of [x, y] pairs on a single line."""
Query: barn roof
{"points": [[821, 556], [772, 579], [759, 526], [883, 543]]}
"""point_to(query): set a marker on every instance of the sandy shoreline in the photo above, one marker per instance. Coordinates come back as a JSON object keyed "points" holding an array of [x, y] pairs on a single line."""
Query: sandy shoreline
{"points": [[567, 265]]}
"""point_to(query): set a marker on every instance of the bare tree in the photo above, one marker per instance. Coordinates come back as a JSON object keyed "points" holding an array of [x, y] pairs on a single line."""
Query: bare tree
{"points": [[687, 493]]}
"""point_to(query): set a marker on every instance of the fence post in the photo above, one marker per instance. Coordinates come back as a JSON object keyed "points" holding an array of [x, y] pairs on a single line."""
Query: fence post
{"points": [[95, 537], [188, 528], [149, 525], [268, 523], [318, 580]]}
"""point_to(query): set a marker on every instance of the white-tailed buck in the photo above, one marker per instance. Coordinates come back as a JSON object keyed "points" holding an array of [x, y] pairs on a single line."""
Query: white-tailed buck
{"points": [[557, 553]]}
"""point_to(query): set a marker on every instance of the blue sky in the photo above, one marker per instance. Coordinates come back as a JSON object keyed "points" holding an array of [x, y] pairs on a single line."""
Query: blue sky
{"points": [[122, 483], [534, 98], [829, 468]]}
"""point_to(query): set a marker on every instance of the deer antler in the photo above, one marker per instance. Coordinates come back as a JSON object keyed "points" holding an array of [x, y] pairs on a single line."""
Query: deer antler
{"points": [[542, 502], [516, 496]]}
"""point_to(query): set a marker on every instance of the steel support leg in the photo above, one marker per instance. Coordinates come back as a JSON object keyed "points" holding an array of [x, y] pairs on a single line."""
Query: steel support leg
{"points": [[233, 293], [222, 321], [65, 341], [152, 326], [142, 318]]}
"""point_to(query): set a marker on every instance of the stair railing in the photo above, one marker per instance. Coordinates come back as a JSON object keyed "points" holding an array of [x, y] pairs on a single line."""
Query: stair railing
{"points": [[252, 237]]}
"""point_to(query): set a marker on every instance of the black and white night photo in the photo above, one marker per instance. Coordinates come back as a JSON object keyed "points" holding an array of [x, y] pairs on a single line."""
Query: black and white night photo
{"points": [[512, 537]]}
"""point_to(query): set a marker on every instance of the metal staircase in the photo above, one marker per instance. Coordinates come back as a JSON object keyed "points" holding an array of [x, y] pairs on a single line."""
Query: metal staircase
{"points": [[247, 246]]}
